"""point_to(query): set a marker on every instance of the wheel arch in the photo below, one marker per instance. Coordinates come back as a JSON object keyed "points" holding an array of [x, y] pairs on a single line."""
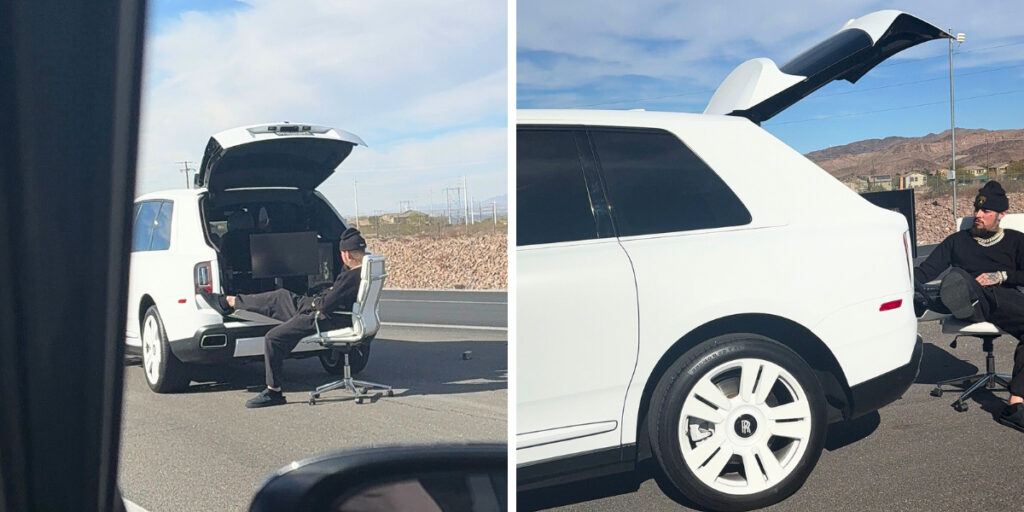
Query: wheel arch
{"points": [[798, 338], [144, 304]]}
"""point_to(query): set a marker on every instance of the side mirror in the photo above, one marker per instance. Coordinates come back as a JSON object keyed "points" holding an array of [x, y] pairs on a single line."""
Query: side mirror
{"points": [[442, 478]]}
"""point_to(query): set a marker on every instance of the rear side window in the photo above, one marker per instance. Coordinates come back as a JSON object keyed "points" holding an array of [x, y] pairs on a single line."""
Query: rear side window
{"points": [[552, 203], [145, 221], [162, 228], [655, 184]]}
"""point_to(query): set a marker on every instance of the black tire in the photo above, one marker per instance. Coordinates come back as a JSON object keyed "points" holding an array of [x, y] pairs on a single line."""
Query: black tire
{"points": [[333, 361], [168, 374], [675, 386]]}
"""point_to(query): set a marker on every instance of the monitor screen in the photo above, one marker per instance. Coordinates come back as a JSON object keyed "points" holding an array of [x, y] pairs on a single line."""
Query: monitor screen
{"points": [[284, 254]]}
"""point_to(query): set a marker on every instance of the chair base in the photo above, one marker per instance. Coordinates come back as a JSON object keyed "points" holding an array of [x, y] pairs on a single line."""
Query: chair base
{"points": [[362, 390], [990, 380], [970, 385]]}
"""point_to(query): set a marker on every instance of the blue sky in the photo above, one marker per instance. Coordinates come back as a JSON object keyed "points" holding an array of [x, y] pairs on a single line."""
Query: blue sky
{"points": [[423, 83], [671, 55]]}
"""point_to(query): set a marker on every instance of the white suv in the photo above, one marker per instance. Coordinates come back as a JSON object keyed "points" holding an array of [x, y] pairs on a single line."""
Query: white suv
{"points": [[690, 288], [253, 181]]}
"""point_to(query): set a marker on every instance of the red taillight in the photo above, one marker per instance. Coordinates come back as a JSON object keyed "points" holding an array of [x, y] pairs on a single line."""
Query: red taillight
{"points": [[203, 277], [894, 304]]}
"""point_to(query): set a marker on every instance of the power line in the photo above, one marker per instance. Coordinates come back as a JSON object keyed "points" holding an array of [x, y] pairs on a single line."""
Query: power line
{"points": [[906, 107], [943, 56], [889, 64], [900, 84], [427, 166], [691, 93]]}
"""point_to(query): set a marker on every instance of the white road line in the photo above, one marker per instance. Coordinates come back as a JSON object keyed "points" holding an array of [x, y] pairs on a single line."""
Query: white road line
{"points": [[443, 301], [441, 326], [131, 507]]}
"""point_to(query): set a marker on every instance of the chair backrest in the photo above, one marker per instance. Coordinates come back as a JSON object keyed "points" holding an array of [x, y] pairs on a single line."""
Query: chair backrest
{"points": [[1014, 221], [365, 310]]}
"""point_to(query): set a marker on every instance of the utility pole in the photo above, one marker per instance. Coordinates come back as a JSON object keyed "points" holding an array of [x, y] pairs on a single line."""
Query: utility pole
{"points": [[448, 198], [465, 202], [494, 212], [448, 205], [960, 38], [185, 169], [355, 188]]}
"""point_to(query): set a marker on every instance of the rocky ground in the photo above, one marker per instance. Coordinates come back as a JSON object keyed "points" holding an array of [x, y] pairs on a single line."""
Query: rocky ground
{"points": [[474, 262], [934, 219]]}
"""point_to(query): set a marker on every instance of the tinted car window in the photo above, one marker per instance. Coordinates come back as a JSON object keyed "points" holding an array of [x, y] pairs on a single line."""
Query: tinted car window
{"points": [[655, 184], [144, 223], [552, 200], [162, 230]]}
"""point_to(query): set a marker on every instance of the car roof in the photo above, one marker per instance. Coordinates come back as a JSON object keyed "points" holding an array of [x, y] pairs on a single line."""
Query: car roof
{"points": [[172, 194], [617, 117]]}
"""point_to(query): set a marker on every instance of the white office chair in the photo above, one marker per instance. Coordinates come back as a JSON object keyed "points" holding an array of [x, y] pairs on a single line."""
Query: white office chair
{"points": [[365, 324], [990, 380]]}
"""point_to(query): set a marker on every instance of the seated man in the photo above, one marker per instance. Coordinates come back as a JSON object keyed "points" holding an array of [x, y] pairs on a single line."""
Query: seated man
{"points": [[987, 266], [298, 312]]}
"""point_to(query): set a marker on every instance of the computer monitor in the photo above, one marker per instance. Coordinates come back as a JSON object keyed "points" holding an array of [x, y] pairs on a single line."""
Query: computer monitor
{"points": [[284, 254]]}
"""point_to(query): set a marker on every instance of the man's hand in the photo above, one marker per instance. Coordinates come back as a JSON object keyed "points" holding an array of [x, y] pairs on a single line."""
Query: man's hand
{"points": [[230, 299], [990, 278]]}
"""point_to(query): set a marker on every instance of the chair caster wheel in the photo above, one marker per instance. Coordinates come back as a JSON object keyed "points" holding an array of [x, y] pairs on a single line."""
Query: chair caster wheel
{"points": [[936, 393], [959, 407], [390, 393], [360, 400], [312, 401], [363, 391]]}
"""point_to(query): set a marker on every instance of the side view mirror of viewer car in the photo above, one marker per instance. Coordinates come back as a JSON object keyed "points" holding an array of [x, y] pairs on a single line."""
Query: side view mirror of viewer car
{"points": [[439, 478]]}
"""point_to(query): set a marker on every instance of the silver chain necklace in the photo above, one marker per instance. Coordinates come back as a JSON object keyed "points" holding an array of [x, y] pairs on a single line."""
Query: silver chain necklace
{"points": [[990, 241]]}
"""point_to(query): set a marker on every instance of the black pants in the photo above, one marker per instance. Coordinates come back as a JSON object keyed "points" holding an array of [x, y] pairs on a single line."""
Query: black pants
{"points": [[297, 314], [1003, 307]]}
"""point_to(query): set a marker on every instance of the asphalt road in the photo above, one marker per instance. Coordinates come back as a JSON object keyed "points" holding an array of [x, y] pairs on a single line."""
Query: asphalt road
{"points": [[445, 307], [202, 450], [916, 454]]}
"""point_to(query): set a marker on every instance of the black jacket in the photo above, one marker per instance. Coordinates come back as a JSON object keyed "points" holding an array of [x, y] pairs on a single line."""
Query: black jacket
{"points": [[341, 295], [961, 250]]}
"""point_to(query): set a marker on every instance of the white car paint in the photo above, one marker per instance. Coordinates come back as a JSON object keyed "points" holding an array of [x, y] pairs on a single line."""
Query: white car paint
{"points": [[579, 340]]}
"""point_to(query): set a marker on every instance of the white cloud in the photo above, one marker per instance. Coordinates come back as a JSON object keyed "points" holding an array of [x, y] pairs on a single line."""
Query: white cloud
{"points": [[419, 170], [697, 43], [398, 73]]}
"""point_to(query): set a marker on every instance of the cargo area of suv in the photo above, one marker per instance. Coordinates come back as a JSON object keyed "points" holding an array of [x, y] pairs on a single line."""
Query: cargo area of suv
{"points": [[231, 218]]}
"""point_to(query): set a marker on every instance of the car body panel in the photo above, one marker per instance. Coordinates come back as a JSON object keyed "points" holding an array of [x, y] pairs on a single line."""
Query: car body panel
{"points": [[274, 155], [819, 259], [758, 90]]}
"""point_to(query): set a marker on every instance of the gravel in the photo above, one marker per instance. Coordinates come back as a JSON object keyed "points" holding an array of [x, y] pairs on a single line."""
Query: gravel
{"points": [[469, 262]]}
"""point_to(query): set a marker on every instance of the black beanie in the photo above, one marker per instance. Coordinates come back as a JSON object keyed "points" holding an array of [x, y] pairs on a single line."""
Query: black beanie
{"points": [[992, 197], [351, 240]]}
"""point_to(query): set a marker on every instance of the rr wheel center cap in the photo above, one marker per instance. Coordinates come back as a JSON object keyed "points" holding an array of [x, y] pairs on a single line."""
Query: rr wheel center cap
{"points": [[745, 426]]}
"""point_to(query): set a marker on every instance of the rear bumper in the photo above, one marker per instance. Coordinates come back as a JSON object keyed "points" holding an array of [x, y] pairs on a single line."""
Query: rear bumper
{"points": [[221, 343], [885, 389]]}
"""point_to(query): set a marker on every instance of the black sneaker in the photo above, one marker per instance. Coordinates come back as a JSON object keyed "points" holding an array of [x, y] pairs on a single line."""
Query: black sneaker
{"points": [[1013, 416], [266, 398], [218, 302], [955, 292]]}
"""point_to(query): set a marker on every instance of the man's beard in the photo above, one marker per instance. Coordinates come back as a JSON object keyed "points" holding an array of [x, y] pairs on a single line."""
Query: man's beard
{"points": [[983, 233]]}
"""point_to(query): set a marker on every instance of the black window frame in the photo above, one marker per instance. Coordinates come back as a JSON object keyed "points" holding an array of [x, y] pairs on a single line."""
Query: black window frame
{"points": [[141, 205], [170, 224], [588, 166], [600, 171]]}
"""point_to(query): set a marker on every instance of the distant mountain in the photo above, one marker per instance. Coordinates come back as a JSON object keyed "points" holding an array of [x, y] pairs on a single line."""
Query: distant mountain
{"points": [[500, 201], [892, 155]]}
